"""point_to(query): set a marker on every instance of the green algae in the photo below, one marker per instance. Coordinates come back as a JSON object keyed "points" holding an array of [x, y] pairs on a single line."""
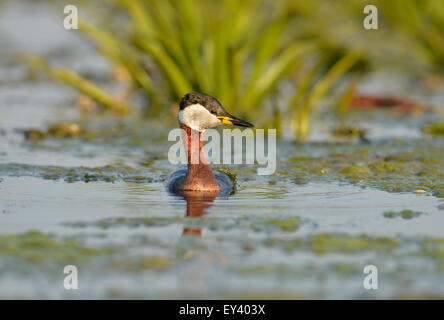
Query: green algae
{"points": [[286, 225], [434, 253], [432, 248], [57, 131], [142, 263], [37, 251], [355, 170], [137, 222], [393, 165], [324, 243], [257, 269], [436, 128], [132, 222], [106, 173], [212, 223], [230, 173], [350, 132], [65, 130], [34, 134], [404, 214], [36, 247], [346, 268]]}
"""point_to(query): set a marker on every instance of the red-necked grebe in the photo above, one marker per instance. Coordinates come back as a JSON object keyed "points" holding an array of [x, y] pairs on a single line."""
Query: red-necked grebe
{"points": [[198, 112]]}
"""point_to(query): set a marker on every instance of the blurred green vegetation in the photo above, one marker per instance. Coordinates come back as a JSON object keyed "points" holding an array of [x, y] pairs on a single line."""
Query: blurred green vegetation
{"points": [[272, 62], [420, 25]]}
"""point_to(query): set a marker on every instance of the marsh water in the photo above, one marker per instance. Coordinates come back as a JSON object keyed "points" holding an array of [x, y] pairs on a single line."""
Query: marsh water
{"points": [[99, 202]]}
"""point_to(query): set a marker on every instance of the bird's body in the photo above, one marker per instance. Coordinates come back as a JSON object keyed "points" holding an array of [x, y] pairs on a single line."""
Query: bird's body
{"points": [[197, 113], [177, 179]]}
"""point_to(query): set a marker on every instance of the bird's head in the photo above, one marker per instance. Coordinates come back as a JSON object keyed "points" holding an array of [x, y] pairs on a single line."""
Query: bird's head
{"points": [[201, 111]]}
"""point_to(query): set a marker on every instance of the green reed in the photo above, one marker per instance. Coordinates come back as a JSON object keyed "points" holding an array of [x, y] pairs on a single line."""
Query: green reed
{"points": [[420, 25], [241, 52]]}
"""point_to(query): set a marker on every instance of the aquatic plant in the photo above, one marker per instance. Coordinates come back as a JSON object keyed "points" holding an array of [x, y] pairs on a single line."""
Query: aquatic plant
{"points": [[436, 128], [241, 52], [272, 57], [82, 84], [404, 214], [420, 25], [39, 248]]}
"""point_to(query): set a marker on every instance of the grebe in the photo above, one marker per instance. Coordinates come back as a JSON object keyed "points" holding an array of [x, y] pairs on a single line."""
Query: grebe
{"points": [[198, 112]]}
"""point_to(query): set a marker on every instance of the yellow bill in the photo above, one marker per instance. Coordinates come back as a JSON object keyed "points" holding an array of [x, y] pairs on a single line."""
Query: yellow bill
{"points": [[232, 120]]}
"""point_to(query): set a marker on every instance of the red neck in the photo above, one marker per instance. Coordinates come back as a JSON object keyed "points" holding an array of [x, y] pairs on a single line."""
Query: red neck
{"points": [[199, 175]]}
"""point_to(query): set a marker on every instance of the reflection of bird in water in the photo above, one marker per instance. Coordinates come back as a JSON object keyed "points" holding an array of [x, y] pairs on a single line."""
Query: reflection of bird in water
{"points": [[197, 202], [197, 113]]}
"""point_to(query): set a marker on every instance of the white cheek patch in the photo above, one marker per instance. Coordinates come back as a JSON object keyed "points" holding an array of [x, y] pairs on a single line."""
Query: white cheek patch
{"points": [[198, 118]]}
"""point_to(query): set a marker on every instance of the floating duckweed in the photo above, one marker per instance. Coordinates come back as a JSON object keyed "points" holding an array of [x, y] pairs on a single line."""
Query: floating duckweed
{"points": [[404, 214], [383, 167], [301, 180], [319, 171], [60, 130], [136, 222], [52, 176], [434, 128], [375, 166], [156, 262], [438, 190], [138, 178], [142, 263], [349, 132], [36, 247], [433, 248], [325, 242], [287, 225], [260, 269], [299, 159], [434, 241], [34, 134], [106, 173], [346, 268], [65, 130], [394, 165], [434, 253], [358, 169], [248, 247], [230, 173]]}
